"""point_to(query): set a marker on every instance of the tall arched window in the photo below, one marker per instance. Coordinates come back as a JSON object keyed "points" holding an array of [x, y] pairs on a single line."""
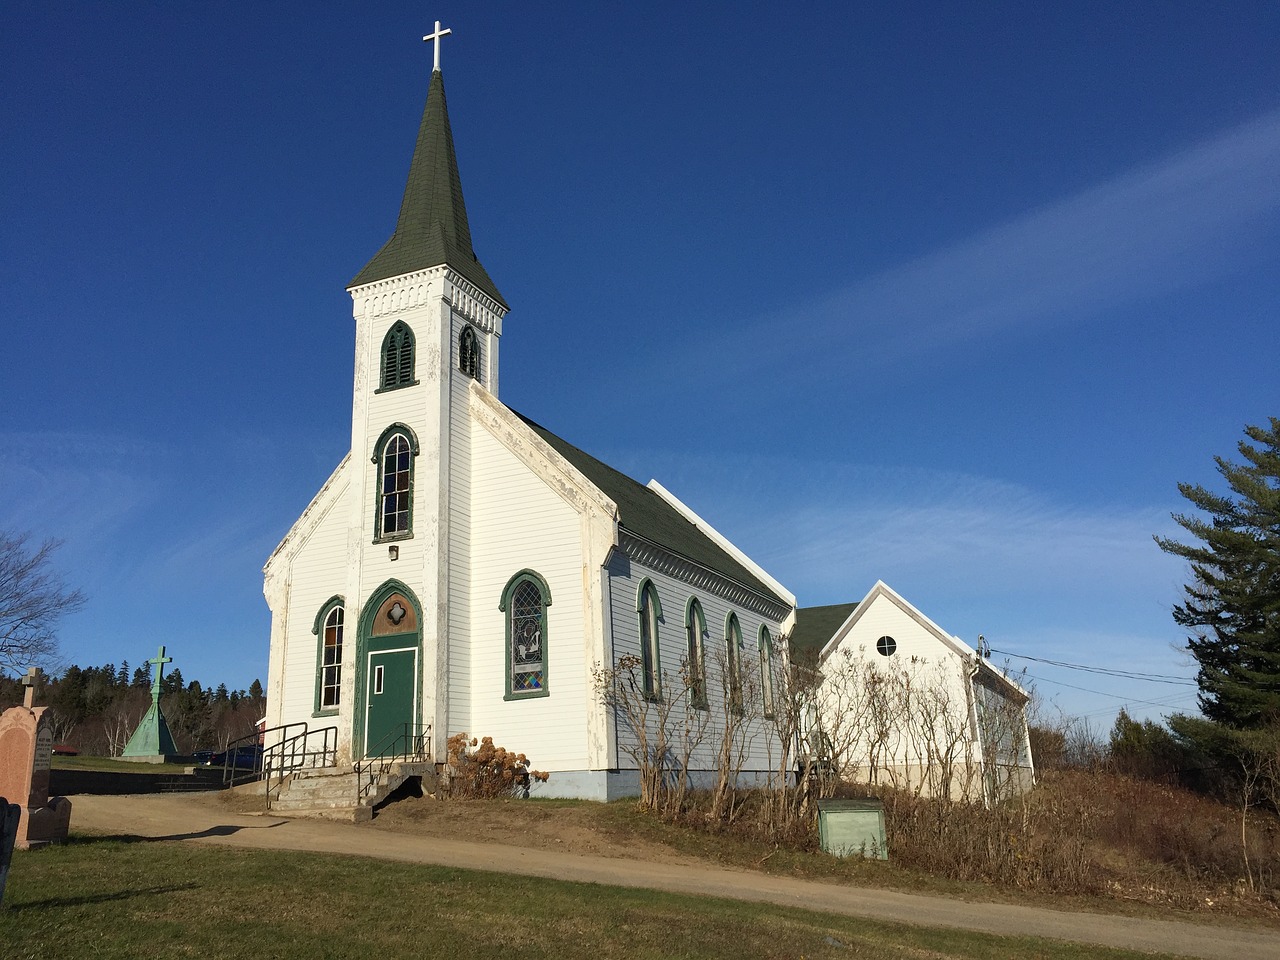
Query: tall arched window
{"points": [[328, 629], [469, 353], [397, 357], [765, 644], [733, 661], [650, 612], [394, 458], [695, 627], [525, 601]]}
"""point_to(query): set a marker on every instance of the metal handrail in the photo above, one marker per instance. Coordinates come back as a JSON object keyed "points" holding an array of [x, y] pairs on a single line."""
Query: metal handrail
{"points": [[412, 742], [298, 752]]}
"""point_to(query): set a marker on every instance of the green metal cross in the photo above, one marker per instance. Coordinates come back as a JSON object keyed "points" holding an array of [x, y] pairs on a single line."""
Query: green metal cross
{"points": [[158, 661]]}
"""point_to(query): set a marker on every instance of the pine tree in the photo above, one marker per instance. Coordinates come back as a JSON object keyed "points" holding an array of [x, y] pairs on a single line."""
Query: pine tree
{"points": [[1232, 605]]}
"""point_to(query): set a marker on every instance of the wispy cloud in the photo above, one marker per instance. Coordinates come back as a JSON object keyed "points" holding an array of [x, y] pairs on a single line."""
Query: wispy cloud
{"points": [[1149, 231]]}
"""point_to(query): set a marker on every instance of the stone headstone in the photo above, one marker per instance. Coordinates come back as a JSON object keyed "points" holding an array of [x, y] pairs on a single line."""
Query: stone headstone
{"points": [[26, 756], [10, 815]]}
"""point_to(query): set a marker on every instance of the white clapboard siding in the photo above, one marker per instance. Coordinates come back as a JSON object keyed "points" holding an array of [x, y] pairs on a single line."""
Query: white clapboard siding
{"points": [[460, 560], [317, 571], [518, 522], [625, 578]]}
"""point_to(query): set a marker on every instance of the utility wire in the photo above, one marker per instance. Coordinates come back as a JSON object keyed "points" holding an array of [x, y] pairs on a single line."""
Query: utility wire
{"points": [[1149, 703], [1104, 671]]}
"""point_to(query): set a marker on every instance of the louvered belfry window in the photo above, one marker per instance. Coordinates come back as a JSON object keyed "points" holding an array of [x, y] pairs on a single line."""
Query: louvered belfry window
{"points": [[397, 357], [469, 353]]}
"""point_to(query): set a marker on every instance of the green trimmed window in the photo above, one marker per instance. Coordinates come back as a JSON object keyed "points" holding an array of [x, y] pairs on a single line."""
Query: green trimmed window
{"points": [[733, 661], [394, 455], [765, 645], [650, 612], [695, 627], [469, 352], [525, 601], [328, 628], [397, 358]]}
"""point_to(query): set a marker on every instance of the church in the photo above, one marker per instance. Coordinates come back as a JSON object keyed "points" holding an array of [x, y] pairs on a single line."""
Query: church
{"points": [[466, 569]]}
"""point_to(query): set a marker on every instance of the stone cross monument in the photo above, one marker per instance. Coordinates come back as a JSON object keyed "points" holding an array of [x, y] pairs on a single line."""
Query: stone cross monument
{"points": [[152, 742]]}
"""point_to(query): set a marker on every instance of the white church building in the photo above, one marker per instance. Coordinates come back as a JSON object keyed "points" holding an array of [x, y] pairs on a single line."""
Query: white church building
{"points": [[466, 569]]}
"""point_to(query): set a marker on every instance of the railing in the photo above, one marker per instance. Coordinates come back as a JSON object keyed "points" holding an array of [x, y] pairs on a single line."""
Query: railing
{"points": [[411, 742], [304, 750]]}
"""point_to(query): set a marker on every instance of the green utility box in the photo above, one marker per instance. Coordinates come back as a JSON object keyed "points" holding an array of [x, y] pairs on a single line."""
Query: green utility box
{"points": [[853, 828]]}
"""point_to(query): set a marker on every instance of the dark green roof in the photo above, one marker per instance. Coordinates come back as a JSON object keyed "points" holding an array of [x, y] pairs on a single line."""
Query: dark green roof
{"points": [[815, 626], [647, 514], [432, 229]]}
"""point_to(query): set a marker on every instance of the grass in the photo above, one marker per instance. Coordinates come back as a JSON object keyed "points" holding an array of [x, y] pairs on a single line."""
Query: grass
{"points": [[112, 765], [109, 898]]}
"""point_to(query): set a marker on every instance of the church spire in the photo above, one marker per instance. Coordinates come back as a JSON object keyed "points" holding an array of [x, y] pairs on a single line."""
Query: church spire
{"points": [[432, 229]]}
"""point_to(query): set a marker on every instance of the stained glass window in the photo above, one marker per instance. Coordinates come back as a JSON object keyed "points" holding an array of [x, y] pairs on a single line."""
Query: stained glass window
{"points": [[525, 603]]}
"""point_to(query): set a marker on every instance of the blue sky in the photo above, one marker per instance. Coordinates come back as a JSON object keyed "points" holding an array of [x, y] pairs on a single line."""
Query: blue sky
{"points": [[946, 295]]}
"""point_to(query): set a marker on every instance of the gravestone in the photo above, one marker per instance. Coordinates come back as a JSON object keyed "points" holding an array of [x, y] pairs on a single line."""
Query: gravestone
{"points": [[10, 814], [26, 756]]}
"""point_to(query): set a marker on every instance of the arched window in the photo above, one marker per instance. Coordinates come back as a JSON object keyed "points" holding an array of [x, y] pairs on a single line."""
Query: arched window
{"points": [[397, 357], [394, 455], [328, 629], [695, 627], [525, 601], [469, 353], [765, 645], [733, 661], [650, 612]]}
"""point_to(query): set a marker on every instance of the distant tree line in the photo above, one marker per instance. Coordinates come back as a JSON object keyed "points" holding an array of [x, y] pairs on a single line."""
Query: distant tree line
{"points": [[96, 709]]}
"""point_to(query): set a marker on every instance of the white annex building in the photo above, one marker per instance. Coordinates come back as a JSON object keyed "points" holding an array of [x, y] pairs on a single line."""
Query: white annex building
{"points": [[901, 701], [464, 568]]}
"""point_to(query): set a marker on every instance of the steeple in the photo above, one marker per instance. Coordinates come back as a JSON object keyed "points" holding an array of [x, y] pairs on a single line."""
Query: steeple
{"points": [[432, 229]]}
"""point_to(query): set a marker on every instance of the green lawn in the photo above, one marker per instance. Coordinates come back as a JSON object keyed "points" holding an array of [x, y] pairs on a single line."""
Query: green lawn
{"points": [[108, 898], [114, 765]]}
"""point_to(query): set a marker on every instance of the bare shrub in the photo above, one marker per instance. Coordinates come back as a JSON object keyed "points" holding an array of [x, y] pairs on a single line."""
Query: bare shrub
{"points": [[478, 770], [660, 733]]}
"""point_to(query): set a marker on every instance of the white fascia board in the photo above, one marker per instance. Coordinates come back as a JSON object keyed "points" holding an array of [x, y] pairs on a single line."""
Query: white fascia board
{"points": [[540, 457], [311, 516], [882, 589], [722, 542]]}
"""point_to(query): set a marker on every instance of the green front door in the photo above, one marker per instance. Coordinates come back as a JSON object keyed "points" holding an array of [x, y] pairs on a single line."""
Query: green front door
{"points": [[390, 690]]}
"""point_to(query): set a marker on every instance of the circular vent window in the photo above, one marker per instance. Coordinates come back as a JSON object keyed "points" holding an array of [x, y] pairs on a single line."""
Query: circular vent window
{"points": [[885, 646]]}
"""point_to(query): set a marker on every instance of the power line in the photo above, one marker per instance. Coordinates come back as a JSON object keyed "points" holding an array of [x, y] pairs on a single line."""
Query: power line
{"points": [[1149, 703], [1104, 671]]}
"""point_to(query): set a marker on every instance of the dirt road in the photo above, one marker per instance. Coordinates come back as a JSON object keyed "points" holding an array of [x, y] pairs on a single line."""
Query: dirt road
{"points": [[200, 818]]}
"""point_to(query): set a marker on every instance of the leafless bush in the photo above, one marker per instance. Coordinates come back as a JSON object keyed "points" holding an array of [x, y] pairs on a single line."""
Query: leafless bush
{"points": [[478, 770]]}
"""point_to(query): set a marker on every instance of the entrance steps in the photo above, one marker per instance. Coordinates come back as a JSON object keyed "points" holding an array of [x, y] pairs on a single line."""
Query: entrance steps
{"points": [[334, 792]]}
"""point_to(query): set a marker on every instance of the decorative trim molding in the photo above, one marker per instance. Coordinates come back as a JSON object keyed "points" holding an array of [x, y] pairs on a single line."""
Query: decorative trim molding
{"points": [[658, 558], [410, 290]]}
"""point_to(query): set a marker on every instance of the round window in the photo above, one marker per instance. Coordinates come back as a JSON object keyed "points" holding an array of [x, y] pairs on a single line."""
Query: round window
{"points": [[885, 646]]}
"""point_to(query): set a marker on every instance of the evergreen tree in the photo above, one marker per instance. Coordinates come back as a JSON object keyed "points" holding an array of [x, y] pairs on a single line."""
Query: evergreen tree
{"points": [[255, 689], [141, 678], [1232, 605], [122, 677]]}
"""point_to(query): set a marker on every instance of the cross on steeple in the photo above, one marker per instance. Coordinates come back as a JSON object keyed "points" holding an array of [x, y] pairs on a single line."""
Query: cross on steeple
{"points": [[435, 38]]}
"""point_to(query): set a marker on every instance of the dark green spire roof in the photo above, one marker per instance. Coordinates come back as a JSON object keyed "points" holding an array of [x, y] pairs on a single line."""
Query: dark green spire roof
{"points": [[432, 229]]}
